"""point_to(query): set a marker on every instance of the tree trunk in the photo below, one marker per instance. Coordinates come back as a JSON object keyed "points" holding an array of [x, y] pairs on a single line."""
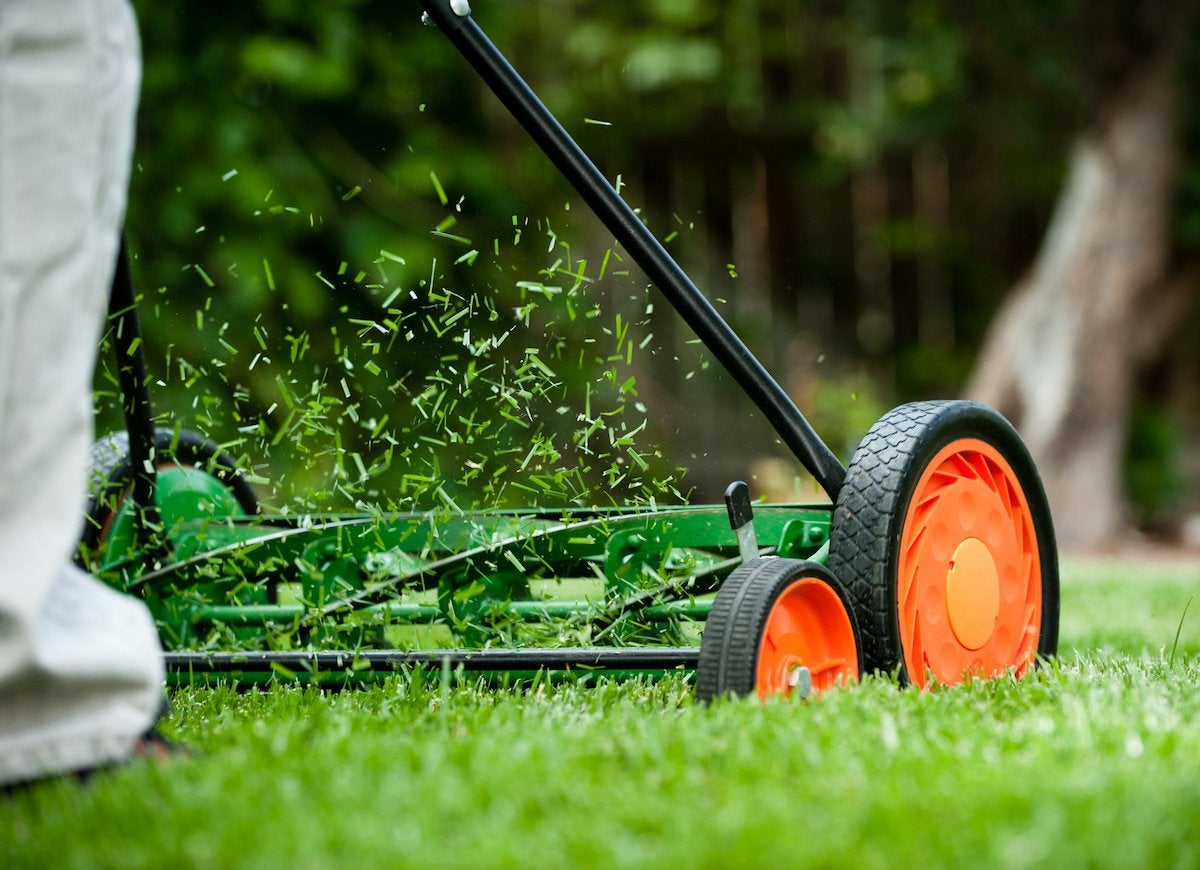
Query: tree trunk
{"points": [[1062, 357]]}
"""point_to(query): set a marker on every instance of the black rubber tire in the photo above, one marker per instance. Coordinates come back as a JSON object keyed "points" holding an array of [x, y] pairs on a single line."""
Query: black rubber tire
{"points": [[110, 476], [872, 506], [729, 647]]}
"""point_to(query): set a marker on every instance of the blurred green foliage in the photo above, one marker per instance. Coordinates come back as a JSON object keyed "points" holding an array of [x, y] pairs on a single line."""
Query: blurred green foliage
{"points": [[319, 188]]}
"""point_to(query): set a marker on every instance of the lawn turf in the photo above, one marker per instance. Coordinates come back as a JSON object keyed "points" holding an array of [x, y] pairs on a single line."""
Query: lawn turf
{"points": [[1093, 761]]}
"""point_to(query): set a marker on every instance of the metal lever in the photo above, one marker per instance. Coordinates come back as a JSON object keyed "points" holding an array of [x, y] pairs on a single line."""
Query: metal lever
{"points": [[741, 518]]}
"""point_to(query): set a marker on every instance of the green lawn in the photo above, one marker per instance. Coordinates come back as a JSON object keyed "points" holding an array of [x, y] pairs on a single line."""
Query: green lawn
{"points": [[1094, 761]]}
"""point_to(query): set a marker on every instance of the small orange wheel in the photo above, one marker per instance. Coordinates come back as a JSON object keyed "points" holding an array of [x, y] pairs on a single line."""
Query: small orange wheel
{"points": [[944, 537], [778, 626]]}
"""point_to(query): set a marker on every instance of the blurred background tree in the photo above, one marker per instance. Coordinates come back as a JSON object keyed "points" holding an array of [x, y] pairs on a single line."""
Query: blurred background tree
{"points": [[857, 185], [1090, 326]]}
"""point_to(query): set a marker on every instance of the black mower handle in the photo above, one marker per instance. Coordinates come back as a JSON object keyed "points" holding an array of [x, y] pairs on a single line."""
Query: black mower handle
{"points": [[549, 135]]}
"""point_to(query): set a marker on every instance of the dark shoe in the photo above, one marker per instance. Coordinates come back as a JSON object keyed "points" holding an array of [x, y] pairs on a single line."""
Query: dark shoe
{"points": [[155, 747]]}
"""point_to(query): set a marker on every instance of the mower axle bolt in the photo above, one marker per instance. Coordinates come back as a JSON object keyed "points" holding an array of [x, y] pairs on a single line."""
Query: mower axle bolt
{"points": [[800, 679]]}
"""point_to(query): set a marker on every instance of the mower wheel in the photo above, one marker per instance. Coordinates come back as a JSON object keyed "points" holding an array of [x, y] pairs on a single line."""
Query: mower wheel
{"points": [[778, 626], [943, 536], [197, 460]]}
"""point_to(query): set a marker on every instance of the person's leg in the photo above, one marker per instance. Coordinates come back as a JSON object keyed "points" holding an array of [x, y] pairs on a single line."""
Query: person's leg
{"points": [[80, 665]]}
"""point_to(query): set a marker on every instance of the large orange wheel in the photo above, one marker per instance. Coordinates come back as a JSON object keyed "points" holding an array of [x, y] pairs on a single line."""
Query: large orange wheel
{"points": [[944, 538], [778, 627]]}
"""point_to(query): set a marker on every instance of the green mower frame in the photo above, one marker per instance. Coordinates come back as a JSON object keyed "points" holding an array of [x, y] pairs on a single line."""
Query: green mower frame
{"points": [[936, 560]]}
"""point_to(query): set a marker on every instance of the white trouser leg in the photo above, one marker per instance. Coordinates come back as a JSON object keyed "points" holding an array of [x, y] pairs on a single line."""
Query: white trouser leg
{"points": [[80, 665]]}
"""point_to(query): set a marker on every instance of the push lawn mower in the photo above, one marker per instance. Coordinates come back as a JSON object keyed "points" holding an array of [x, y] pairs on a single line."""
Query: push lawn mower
{"points": [[936, 561]]}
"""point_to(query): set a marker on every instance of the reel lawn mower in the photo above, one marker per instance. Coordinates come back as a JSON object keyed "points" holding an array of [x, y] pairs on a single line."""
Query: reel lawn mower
{"points": [[936, 560]]}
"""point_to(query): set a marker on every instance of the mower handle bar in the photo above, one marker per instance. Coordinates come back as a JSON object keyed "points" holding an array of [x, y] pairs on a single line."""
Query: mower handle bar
{"points": [[628, 229]]}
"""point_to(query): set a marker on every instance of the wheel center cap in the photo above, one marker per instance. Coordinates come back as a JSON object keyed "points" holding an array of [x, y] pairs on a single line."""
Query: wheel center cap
{"points": [[973, 593]]}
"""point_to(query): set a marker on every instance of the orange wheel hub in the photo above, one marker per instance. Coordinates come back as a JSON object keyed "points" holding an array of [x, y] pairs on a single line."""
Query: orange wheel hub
{"points": [[809, 630], [969, 585]]}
